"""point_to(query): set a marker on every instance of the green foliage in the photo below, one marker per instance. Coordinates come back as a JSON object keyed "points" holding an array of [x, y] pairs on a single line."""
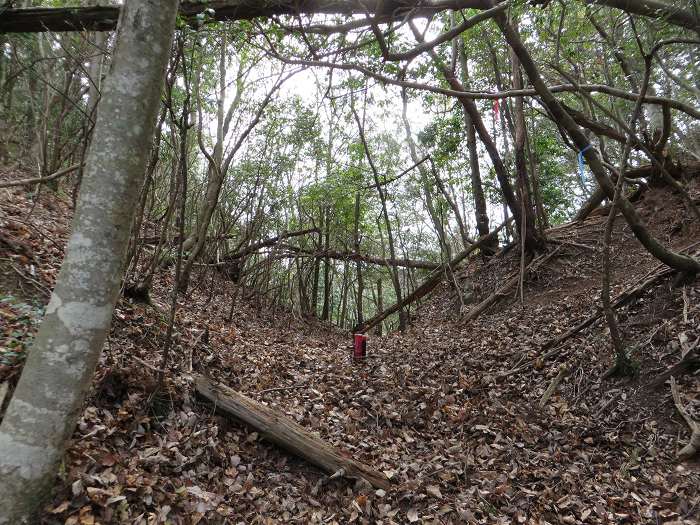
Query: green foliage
{"points": [[304, 163], [555, 168], [444, 136]]}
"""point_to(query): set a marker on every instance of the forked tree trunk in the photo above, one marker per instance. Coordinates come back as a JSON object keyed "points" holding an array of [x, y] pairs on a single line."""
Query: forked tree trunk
{"points": [[533, 238], [47, 402]]}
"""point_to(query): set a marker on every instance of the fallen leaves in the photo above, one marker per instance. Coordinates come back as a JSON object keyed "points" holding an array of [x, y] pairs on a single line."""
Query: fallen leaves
{"points": [[429, 409]]}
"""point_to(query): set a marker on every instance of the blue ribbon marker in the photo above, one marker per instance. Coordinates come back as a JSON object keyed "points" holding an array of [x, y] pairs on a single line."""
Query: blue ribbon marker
{"points": [[580, 163]]}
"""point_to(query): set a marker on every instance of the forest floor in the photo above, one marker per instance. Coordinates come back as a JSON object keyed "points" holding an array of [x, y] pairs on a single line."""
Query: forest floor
{"points": [[449, 411]]}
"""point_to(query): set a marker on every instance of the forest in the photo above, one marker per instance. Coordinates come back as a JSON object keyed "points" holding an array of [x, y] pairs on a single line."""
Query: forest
{"points": [[349, 261]]}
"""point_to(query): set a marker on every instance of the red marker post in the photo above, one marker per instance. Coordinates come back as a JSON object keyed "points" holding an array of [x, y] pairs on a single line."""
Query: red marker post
{"points": [[359, 349]]}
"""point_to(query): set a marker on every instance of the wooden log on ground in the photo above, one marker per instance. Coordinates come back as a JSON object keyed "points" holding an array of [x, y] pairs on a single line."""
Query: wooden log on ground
{"points": [[281, 430]]}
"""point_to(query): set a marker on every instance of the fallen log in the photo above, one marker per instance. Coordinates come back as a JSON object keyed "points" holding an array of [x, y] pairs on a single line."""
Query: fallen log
{"points": [[281, 430], [430, 282]]}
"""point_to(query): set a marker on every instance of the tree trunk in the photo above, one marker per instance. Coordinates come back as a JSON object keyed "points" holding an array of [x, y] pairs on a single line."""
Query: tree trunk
{"points": [[466, 241], [215, 175], [425, 184], [325, 312], [358, 264], [380, 306], [343, 304], [542, 221], [40, 420], [675, 260], [475, 116], [133, 254], [387, 223], [316, 277], [96, 43], [304, 307], [480, 209], [533, 240]]}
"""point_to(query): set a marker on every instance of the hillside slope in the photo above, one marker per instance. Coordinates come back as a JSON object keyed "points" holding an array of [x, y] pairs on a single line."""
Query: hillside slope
{"points": [[448, 410]]}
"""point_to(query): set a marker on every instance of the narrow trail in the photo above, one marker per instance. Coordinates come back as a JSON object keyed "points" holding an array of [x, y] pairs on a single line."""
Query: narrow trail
{"points": [[431, 408]]}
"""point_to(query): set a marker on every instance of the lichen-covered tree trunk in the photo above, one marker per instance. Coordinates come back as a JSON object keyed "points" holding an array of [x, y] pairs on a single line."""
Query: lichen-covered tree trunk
{"points": [[47, 402]]}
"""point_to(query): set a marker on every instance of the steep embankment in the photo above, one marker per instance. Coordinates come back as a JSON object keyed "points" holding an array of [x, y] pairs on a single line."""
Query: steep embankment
{"points": [[449, 410]]}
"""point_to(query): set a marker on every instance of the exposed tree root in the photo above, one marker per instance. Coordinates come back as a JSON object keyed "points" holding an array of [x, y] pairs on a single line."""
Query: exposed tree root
{"points": [[654, 276], [688, 363], [624, 367], [693, 445]]}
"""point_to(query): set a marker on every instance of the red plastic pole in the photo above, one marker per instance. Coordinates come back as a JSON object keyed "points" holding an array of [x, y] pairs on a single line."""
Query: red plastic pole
{"points": [[359, 350]]}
